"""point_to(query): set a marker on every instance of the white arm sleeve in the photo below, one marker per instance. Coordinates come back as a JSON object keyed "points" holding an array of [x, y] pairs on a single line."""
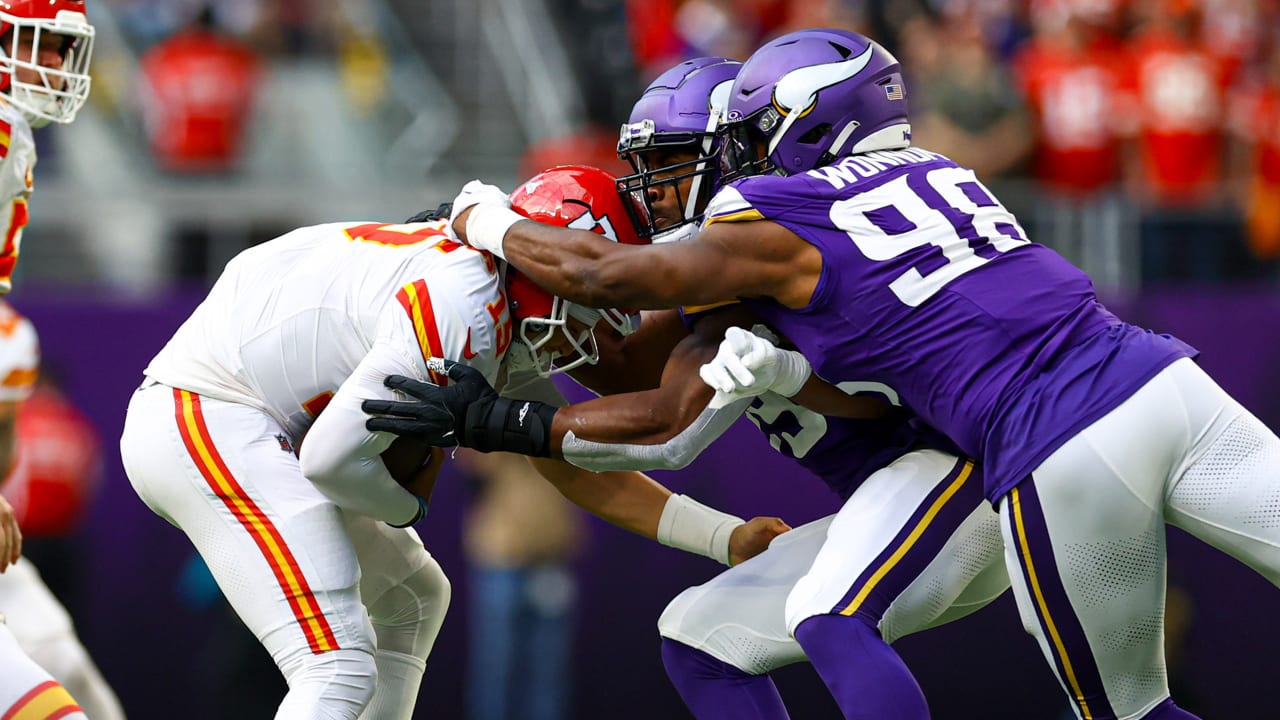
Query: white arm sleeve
{"points": [[673, 454], [342, 458]]}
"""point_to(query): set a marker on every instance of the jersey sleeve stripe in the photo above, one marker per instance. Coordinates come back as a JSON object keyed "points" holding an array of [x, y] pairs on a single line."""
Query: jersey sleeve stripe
{"points": [[45, 701], [747, 215], [283, 564], [416, 301], [6, 137]]}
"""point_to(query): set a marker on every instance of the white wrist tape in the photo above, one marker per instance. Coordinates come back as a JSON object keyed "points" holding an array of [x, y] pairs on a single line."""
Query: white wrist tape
{"points": [[688, 525], [793, 372], [488, 223]]}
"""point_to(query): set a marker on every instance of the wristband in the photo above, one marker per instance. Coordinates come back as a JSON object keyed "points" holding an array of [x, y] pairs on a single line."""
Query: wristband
{"points": [[793, 372], [688, 525], [488, 223], [422, 512], [504, 425]]}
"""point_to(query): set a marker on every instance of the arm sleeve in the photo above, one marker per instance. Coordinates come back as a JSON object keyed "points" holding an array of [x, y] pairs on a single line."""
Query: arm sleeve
{"points": [[342, 457], [673, 454]]}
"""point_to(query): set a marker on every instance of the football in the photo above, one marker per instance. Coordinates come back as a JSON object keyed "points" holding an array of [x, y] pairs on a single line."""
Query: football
{"points": [[405, 457]]}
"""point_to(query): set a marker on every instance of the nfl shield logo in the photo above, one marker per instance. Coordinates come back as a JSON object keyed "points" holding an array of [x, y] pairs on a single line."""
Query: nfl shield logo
{"points": [[893, 91]]}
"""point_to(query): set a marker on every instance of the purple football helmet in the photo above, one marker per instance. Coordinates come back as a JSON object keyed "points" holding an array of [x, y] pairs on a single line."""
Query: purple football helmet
{"points": [[678, 111], [810, 97]]}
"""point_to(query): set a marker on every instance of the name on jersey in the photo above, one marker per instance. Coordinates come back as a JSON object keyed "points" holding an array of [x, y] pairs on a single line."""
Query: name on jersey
{"points": [[859, 167]]}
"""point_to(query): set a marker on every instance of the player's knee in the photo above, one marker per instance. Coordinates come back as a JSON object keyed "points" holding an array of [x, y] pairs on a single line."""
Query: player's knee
{"points": [[335, 685], [407, 617]]}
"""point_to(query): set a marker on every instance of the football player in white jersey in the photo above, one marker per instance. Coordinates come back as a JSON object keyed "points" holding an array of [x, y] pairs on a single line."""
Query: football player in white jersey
{"points": [[314, 551], [45, 47]]}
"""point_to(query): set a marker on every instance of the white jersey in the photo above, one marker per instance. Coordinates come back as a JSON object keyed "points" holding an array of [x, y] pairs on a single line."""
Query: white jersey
{"points": [[17, 166], [19, 355], [316, 319], [290, 320]]}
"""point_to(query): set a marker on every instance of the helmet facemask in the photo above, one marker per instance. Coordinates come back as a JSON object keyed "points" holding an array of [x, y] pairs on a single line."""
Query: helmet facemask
{"points": [[55, 95], [641, 147], [575, 341]]}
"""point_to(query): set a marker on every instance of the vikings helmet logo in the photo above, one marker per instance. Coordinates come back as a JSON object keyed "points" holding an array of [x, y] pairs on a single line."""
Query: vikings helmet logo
{"points": [[798, 89]]}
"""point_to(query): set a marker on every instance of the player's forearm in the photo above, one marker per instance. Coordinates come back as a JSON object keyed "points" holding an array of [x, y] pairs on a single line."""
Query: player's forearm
{"points": [[643, 418], [630, 500], [826, 399], [577, 265], [344, 462]]}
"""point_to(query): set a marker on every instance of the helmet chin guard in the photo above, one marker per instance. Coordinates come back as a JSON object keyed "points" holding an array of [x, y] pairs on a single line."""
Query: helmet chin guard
{"points": [[49, 94], [557, 334]]}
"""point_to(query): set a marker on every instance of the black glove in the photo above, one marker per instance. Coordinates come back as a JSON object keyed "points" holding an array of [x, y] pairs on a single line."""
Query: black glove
{"points": [[441, 213], [436, 413], [468, 413]]}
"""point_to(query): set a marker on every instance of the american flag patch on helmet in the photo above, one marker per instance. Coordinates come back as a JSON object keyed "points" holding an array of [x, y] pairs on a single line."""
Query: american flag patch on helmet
{"points": [[893, 91]]}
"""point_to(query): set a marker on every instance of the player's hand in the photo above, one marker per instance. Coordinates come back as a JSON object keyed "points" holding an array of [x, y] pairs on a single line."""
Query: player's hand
{"points": [[436, 415], [473, 193], [753, 537], [10, 535], [749, 364]]}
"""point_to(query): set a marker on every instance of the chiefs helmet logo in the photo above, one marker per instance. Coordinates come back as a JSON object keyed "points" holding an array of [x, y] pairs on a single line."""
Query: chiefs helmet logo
{"points": [[598, 225]]}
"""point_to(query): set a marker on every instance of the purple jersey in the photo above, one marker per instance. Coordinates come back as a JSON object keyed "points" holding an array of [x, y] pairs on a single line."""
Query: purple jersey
{"points": [[930, 286], [840, 451]]}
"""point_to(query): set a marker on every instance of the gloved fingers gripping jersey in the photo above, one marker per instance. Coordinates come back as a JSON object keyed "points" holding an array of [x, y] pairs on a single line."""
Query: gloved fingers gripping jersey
{"points": [[442, 212], [468, 413]]}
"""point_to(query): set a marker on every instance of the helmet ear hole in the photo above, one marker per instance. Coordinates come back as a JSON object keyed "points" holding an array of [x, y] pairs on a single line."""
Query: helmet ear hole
{"points": [[815, 135]]}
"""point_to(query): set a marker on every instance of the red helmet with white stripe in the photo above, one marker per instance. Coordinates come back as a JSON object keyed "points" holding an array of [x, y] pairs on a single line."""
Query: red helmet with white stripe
{"points": [[582, 198], [45, 91]]}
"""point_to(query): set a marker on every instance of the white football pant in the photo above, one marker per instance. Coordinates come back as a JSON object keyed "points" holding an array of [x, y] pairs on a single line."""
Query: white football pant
{"points": [[1085, 534], [915, 546], [45, 633], [338, 599]]}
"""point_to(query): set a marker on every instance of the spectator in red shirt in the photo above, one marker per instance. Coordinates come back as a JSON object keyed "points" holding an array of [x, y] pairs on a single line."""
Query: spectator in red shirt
{"points": [[199, 90], [1177, 166], [1070, 73]]}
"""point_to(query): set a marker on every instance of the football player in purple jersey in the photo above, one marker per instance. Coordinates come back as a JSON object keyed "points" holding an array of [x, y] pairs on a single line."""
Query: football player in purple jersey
{"points": [[914, 527], [883, 261]]}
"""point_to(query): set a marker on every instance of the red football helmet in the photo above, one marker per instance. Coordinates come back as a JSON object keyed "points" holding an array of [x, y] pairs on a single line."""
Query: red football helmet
{"points": [[582, 198], [49, 94]]}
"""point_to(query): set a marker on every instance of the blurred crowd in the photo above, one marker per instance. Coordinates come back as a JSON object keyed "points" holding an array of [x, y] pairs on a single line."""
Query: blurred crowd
{"points": [[1150, 128], [1140, 138]]}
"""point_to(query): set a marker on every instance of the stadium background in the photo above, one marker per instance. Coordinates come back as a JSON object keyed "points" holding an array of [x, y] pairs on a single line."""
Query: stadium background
{"points": [[373, 109]]}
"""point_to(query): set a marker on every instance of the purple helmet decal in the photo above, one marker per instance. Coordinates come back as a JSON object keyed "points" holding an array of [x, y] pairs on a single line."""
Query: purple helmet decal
{"points": [[809, 97], [678, 113]]}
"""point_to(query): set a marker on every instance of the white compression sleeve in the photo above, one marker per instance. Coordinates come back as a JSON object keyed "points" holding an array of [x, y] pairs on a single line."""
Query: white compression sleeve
{"points": [[673, 454]]}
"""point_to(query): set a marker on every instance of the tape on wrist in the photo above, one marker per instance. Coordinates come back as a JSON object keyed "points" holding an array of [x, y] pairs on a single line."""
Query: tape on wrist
{"points": [[688, 525], [793, 373], [488, 223]]}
